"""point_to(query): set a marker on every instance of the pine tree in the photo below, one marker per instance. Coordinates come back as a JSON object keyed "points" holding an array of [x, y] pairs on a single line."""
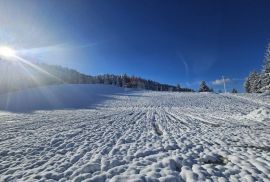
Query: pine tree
{"points": [[253, 83], [234, 91], [204, 87], [265, 76], [247, 85], [256, 82], [178, 87]]}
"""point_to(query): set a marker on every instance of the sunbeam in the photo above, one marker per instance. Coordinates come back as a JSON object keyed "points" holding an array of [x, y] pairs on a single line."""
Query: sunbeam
{"points": [[35, 67], [7, 52]]}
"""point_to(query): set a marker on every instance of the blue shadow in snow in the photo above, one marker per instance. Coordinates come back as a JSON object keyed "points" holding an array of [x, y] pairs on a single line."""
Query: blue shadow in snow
{"points": [[58, 97]]}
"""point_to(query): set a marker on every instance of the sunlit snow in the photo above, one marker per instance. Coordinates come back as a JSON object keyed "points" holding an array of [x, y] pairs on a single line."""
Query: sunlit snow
{"points": [[104, 133]]}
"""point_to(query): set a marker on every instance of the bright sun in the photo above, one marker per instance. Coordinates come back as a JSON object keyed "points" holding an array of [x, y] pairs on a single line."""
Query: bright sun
{"points": [[7, 52]]}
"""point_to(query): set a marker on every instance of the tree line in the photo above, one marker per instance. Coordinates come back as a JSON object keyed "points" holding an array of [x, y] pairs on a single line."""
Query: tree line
{"points": [[259, 82], [19, 76], [66, 75]]}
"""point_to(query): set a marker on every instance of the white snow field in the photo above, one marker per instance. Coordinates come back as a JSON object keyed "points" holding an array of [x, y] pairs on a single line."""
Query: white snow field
{"points": [[103, 133]]}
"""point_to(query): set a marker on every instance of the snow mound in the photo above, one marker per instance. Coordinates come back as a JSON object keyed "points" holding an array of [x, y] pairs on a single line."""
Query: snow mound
{"points": [[261, 114]]}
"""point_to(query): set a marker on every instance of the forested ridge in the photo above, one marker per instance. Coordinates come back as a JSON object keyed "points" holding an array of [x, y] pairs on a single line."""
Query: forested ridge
{"points": [[16, 76]]}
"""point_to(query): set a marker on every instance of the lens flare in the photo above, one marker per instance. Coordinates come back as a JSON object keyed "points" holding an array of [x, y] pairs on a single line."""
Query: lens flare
{"points": [[7, 52]]}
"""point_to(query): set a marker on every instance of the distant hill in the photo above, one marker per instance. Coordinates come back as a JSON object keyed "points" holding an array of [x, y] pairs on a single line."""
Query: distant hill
{"points": [[18, 75]]}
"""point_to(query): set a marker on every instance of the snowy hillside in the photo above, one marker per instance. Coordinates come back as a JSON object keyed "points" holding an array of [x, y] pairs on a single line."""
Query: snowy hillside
{"points": [[104, 133]]}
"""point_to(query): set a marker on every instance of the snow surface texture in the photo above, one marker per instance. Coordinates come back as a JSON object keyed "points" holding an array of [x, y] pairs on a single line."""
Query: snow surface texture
{"points": [[110, 134]]}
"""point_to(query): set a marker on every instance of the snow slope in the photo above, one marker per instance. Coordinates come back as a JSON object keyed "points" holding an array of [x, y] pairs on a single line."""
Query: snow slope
{"points": [[133, 136]]}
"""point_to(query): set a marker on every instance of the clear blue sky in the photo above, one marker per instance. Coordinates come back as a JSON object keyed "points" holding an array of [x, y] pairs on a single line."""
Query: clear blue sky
{"points": [[167, 41]]}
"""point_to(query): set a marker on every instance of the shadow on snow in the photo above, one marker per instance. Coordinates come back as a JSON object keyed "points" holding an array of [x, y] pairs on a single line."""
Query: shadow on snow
{"points": [[58, 97]]}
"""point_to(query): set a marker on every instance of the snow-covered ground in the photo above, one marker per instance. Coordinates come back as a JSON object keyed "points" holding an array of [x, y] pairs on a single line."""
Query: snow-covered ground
{"points": [[103, 133]]}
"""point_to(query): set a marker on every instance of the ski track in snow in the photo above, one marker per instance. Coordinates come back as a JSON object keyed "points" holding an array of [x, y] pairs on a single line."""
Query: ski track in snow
{"points": [[139, 136]]}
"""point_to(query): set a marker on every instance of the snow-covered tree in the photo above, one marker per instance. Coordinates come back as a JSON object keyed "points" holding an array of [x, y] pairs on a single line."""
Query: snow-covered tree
{"points": [[253, 82], [265, 75], [204, 87], [247, 85]]}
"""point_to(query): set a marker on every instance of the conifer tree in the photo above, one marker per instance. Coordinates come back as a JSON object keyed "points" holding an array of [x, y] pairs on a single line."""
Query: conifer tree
{"points": [[204, 87], [253, 83], [234, 91], [265, 75]]}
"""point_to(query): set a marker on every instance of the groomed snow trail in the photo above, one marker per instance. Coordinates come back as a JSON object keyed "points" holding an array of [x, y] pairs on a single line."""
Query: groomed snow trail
{"points": [[140, 136]]}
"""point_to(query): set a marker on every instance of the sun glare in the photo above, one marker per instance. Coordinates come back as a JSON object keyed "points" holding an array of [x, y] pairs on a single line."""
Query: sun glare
{"points": [[7, 52]]}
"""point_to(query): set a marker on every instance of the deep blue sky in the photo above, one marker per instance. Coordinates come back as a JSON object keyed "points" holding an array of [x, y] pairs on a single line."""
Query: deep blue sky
{"points": [[167, 41]]}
